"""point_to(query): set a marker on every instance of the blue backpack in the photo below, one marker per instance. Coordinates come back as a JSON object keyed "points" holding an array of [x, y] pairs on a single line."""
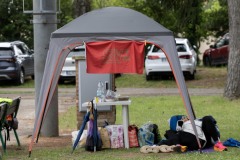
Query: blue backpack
{"points": [[173, 122], [145, 135], [232, 143]]}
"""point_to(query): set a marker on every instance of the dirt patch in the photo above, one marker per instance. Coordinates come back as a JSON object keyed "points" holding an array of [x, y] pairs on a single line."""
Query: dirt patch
{"points": [[52, 142], [209, 78]]}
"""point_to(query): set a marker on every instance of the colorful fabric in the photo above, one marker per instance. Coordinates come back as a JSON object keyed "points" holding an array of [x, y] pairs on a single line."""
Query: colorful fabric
{"points": [[219, 147], [6, 100], [232, 143], [115, 57]]}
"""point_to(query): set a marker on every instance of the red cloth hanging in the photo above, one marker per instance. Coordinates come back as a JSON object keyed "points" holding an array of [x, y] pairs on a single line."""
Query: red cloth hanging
{"points": [[115, 57]]}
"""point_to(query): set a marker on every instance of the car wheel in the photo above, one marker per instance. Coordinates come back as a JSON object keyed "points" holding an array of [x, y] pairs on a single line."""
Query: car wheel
{"points": [[61, 81], [148, 77], [191, 76], [207, 61], [21, 78]]}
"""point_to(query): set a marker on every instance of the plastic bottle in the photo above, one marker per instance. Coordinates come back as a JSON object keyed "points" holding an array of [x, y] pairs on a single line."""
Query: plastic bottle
{"points": [[99, 91]]}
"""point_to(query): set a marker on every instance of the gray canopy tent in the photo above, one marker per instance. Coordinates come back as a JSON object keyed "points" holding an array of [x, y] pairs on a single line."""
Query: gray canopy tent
{"points": [[111, 23]]}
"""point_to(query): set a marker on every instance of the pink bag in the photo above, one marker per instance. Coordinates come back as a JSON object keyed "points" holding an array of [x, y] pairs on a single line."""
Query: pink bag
{"points": [[116, 135]]}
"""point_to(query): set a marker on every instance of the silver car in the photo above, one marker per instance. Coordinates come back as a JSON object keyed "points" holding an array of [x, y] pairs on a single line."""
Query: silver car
{"points": [[69, 69], [156, 62]]}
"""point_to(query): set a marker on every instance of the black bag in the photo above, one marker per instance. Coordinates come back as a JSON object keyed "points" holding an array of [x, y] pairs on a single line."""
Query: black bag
{"points": [[157, 135], [169, 133], [92, 129], [90, 143], [90, 138]]}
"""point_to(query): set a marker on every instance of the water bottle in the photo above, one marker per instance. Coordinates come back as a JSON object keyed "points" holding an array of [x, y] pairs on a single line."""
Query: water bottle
{"points": [[102, 91], [99, 91]]}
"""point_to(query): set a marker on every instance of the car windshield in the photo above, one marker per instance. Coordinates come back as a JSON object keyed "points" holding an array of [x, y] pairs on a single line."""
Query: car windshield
{"points": [[181, 48], [156, 49], [5, 52]]}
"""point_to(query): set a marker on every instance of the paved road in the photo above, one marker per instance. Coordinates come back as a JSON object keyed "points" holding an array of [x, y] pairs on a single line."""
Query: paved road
{"points": [[67, 99]]}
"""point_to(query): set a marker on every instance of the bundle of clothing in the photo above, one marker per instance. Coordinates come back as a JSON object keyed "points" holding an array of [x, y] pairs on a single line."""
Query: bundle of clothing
{"points": [[181, 132]]}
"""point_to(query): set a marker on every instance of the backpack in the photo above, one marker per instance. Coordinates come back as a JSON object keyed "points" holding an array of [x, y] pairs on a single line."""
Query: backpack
{"points": [[145, 135], [174, 122], [149, 134]]}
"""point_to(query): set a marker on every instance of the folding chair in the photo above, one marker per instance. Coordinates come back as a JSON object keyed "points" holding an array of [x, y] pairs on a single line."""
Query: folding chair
{"points": [[12, 110], [3, 111]]}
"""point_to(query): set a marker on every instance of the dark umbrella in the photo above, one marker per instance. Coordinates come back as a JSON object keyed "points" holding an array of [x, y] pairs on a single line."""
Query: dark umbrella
{"points": [[95, 130], [85, 120]]}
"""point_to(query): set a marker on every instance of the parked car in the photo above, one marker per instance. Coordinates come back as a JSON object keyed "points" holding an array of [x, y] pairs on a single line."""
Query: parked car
{"points": [[16, 61], [69, 69], [157, 63], [217, 54]]}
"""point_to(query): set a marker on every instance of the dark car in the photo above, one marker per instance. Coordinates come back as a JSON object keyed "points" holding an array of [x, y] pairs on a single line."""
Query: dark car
{"points": [[217, 54], [16, 61]]}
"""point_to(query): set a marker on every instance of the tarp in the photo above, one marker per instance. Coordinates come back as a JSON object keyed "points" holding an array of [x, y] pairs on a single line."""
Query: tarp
{"points": [[115, 57], [107, 24]]}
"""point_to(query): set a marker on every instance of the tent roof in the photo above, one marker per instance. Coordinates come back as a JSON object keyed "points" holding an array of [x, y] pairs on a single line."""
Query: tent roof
{"points": [[111, 20]]}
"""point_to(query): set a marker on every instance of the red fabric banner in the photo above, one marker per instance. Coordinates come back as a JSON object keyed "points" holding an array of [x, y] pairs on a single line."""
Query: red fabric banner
{"points": [[115, 57]]}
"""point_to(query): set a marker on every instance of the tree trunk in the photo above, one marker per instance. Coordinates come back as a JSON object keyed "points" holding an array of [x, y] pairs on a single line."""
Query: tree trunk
{"points": [[80, 7], [232, 88]]}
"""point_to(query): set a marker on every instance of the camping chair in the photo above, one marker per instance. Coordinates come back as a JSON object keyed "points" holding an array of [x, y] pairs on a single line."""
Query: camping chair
{"points": [[3, 111], [12, 109]]}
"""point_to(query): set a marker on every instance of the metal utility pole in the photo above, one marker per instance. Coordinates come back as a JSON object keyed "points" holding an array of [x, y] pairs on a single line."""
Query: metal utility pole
{"points": [[44, 23]]}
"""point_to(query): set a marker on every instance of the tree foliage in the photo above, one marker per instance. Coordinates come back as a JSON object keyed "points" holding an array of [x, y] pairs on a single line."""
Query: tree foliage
{"points": [[216, 17], [66, 14], [14, 24], [194, 19]]}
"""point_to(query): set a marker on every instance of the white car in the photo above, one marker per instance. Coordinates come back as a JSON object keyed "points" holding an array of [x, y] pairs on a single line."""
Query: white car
{"points": [[156, 62], [69, 69]]}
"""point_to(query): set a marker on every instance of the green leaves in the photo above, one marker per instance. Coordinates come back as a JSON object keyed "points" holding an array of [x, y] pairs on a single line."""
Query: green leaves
{"points": [[14, 24]]}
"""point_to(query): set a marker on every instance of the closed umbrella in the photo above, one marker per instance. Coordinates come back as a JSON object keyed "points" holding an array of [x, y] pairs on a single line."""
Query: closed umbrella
{"points": [[95, 130], [85, 120]]}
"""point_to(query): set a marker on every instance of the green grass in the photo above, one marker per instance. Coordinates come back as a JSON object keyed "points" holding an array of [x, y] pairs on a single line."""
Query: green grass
{"points": [[156, 109], [214, 77]]}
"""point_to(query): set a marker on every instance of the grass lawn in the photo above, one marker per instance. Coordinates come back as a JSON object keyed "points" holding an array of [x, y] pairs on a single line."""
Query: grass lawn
{"points": [[206, 77], [156, 109]]}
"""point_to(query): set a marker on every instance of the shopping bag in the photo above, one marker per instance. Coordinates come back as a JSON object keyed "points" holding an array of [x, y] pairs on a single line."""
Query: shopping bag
{"points": [[105, 137], [133, 136]]}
